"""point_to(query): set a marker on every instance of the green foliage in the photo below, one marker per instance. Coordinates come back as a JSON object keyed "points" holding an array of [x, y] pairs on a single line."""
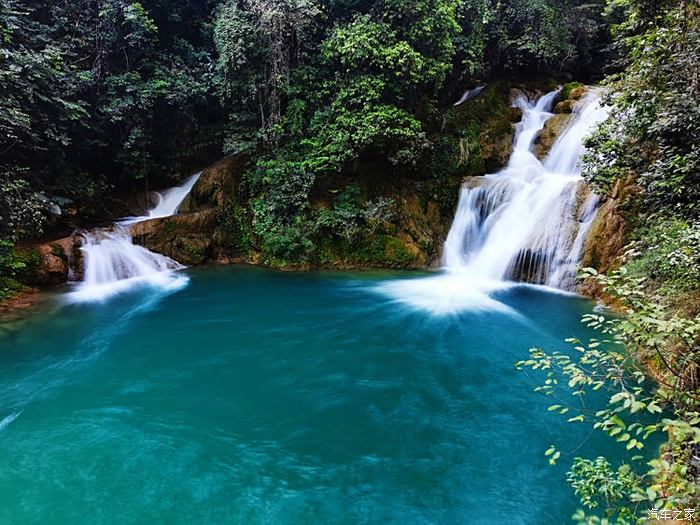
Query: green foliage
{"points": [[387, 129], [654, 130], [524, 35], [637, 410], [21, 211], [281, 209], [667, 250], [568, 88], [288, 229], [15, 266], [235, 225], [596, 483], [353, 220], [258, 43], [370, 77]]}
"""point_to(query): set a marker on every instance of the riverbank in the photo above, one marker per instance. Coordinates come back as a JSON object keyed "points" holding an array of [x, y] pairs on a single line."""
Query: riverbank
{"points": [[23, 304]]}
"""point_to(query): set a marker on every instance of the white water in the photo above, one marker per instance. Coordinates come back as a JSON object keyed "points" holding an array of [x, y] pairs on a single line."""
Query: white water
{"points": [[470, 94], [527, 222], [167, 202], [113, 263]]}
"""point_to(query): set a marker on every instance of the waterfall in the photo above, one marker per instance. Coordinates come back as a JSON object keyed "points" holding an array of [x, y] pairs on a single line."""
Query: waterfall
{"points": [[528, 221], [113, 263], [167, 202]]}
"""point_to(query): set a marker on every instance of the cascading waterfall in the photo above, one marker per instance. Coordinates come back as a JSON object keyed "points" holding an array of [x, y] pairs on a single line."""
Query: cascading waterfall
{"points": [[527, 222], [113, 263]]}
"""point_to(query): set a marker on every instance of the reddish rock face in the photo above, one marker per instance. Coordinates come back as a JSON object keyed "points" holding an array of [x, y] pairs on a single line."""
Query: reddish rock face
{"points": [[58, 261]]}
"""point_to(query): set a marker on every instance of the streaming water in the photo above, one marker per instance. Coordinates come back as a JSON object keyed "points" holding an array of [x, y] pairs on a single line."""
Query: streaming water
{"points": [[113, 263], [528, 221]]}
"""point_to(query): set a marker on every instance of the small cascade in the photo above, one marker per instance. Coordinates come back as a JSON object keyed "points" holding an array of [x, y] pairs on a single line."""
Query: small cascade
{"points": [[113, 263], [166, 203], [528, 221]]}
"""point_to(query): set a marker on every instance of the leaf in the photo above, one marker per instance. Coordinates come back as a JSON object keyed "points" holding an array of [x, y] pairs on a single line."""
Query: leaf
{"points": [[618, 397], [651, 494]]}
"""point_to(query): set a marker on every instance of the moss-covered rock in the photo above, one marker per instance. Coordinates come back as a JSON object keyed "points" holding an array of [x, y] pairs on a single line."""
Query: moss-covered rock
{"points": [[484, 128], [54, 262], [216, 184], [607, 235], [550, 133], [573, 91], [189, 238], [570, 95]]}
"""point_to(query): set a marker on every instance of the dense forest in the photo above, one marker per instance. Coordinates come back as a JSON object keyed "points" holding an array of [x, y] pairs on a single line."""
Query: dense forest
{"points": [[104, 99]]}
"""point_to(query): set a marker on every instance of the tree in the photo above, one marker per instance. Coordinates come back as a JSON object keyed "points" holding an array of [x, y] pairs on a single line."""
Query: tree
{"points": [[257, 44]]}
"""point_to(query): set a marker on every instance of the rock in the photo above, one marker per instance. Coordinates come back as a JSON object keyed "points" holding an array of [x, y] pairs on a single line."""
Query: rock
{"points": [[473, 182], [606, 237], [571, 93], [57, 261], [550, 132], [216, 184], [578, 92], [500, 153], [565, 106], [189, 238], [515, 114]]}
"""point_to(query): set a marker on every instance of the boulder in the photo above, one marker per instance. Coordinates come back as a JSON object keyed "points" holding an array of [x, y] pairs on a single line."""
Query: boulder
{"points": [[550, 132], [57, 261], [189, 238]]}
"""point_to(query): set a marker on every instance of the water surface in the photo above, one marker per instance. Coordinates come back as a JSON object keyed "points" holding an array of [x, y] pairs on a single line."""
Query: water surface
{"points": [[254, 396]]}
